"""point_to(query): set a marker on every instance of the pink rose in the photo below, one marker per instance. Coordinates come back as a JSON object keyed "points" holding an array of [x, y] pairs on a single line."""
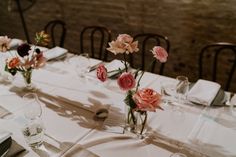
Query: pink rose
{"points": [[160, 53], [126, 81], [147, 99], [102, 73], [40, 60]]}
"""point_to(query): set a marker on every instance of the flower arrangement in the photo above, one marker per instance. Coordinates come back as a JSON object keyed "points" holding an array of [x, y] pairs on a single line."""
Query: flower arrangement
{"points": [[139, 101], [25, 59]]}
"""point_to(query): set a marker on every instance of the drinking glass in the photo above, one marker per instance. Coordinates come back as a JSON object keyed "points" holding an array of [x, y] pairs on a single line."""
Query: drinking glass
{"points": [[33, 130], [182, 88], [168, 91], [84, 65], [33, 108]]}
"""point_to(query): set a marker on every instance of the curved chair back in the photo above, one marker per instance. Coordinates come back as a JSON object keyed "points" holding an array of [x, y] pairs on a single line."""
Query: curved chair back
{"points": [[146, 42], [217, 55], [96, 38], [57, 31]]}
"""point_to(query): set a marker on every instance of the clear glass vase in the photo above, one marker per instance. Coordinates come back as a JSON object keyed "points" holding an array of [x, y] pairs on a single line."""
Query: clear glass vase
{"points": [[27, 75], [136, 122]]}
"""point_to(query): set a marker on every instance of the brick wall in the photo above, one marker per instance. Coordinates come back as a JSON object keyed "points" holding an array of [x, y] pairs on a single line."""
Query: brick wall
{"points": [[188, 24]]}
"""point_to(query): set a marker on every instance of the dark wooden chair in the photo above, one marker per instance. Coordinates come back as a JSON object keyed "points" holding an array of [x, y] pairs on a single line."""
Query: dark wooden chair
{"points": [[94, 40], [57, 31], [217, 62], [146, 42]]}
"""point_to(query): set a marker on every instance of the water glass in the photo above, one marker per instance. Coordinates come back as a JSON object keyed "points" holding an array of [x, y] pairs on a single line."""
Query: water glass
{"points": [[182, 88], [33, 130]]}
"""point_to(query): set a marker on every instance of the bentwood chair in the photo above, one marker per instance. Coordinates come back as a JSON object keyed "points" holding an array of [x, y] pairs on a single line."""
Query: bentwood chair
{"points": [[146, 42], [217, 62], [94, 40], [57, 31]]}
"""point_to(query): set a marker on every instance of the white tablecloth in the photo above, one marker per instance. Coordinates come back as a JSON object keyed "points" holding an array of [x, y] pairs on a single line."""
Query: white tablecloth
{"points": [[70, 102]]}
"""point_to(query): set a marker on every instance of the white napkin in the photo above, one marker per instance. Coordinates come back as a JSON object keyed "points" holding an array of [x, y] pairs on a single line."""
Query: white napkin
{"points": [[203, 92], [15, 43], [55, 53], [114, 65]]}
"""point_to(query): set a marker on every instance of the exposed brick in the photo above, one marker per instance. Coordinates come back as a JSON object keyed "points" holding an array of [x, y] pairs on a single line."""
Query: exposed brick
{"points": [[189, 24]]}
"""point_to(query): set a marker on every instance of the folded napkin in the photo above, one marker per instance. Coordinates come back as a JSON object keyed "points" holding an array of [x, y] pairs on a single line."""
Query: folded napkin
{"points": [[55, 53], [15, 43], [113, 66], [203, 92]]}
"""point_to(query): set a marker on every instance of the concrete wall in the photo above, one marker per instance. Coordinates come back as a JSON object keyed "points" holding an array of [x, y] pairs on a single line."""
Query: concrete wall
{"points": [[189, 24]]}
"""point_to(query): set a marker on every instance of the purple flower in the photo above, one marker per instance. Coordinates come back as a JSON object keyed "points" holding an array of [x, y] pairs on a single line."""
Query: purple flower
{"points": [[23, 50]]}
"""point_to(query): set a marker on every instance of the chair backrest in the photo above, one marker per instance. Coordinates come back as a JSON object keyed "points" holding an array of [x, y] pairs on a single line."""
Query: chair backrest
{"points": [[146, 42], [57, 31], [217, 62], [94, 40]]}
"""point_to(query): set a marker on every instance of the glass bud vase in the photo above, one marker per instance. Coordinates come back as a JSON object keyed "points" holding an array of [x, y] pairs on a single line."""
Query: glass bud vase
{"points": [[140, 127], [136, 122], [27, 75]]}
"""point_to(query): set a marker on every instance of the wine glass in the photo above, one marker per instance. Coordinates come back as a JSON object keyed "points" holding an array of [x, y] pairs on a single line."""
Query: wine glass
{"points": [[84, 65], [33, 108], [167, 91], [33, 130]]}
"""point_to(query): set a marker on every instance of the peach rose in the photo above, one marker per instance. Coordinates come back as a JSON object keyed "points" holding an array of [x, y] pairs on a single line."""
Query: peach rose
{"points": [[123, 44], [147, 99], [102, 73], [13, 63], [4, 43], [160, 53], [126, 81], [124, 38]]}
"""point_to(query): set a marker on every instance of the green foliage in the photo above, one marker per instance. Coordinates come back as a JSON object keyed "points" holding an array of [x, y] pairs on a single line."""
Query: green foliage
{"points": [[129, 100], [11, 71]]}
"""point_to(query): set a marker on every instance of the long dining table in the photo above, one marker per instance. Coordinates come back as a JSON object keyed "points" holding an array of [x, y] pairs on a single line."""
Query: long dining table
{"points": [[70, 102]]}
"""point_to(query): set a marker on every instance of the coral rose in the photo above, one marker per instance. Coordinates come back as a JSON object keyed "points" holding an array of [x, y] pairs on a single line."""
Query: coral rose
{"points": [[147, 99], [160, 53], [13, 63], [126, 81], [102, 73]]}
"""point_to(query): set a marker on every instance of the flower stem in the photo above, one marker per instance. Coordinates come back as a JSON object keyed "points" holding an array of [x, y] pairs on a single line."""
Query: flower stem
{"points": [[144, 122], [126, 67], [138, 84]]}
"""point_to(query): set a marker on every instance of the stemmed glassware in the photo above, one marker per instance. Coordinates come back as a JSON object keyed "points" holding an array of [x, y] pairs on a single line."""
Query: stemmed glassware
{"points": [[33, 130]]}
